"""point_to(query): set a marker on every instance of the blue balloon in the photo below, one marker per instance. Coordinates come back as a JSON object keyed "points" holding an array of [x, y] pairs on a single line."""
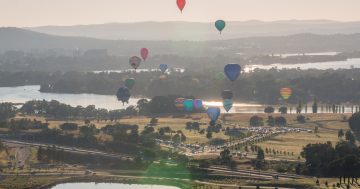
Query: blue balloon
{"points": [[163, 68], [232, 71], [123, 94], [213, 113]]}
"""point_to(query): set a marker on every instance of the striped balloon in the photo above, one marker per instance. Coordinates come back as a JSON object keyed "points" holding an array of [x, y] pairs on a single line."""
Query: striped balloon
{"points": [[285, 93], [179, 103]]}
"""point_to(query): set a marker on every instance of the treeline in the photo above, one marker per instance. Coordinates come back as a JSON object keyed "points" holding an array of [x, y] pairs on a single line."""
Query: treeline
{"points": [[260, 86], [326, 160]]}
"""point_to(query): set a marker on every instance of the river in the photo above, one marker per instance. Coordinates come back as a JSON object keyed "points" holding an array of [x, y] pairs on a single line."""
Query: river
{"points": [[109, 186], [350, 63]]}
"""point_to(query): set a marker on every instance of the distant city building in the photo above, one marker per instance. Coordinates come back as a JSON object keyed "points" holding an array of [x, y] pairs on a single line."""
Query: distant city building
{"points": [[96, 53]]}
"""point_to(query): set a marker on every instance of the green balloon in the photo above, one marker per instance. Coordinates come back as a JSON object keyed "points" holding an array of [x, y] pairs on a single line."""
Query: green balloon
{"points": [[220, 25], [129, 83], [220, 76]]}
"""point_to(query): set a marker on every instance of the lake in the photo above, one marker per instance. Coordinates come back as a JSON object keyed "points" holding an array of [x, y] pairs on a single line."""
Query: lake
{"points": [[109, 186], [350, 63], [31, 92]]}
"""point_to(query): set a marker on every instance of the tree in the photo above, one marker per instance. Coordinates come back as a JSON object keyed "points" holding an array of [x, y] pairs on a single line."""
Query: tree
{"points": [[69, 126], [256, 121], [260, 154], [271, 121], [269, 110], [301, 119], [225, 157], [189, 126], [316, 129], [209, 135], [299, 107], [349, 136], [7, 111], [315, 106], [2, 146], [354, 123], [142, 106], [341, 133], [154, 121], [280, 121], [283, 110]]}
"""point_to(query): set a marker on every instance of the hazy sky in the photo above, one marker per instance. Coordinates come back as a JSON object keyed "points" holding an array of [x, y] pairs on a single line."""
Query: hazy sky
{"points": [[72, 12]]}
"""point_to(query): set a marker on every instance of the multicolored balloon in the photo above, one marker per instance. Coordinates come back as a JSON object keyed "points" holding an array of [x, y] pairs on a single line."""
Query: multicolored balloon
{"points": [[286, 93], [181, 4], [163, 68], [189, 105], [144, 53], [135, 62], [228, 104], [123, 94], [227, 94], [220, 25], [198, 104], [232, 71], [179, 103], [213, 113], [129, 83]]}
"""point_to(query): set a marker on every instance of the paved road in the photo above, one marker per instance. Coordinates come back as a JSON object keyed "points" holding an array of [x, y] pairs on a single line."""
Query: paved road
{"points": [[69, 149], [253, 173]]}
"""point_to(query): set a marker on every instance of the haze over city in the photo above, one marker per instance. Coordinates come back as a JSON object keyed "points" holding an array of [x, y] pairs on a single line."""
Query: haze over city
{"points": [[27, 13]]}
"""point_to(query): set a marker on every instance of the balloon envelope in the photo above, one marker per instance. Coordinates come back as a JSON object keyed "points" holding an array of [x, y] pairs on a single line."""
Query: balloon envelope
{"points": [[220, 76], [213, 113], [123, 94], [220, 25], [227, 94], [163, 68], [144, 53], [286, 93], [181, 4], [198, 104], [179, 103], [129, 83], [135, 62], [232, 71], [189, 105], [228, 104]]}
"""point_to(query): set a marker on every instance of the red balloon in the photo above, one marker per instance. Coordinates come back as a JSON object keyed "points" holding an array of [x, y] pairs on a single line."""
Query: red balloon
{"points": [[181, 4], [144, 53]]}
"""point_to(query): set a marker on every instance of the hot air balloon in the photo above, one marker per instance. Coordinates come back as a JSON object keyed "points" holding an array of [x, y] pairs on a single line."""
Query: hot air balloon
{"points": [[220, 25], [220, 76], [189, 105], [213, 113], [179, 103], [181, 4], [163, 68], [285, 93], [198, 104], [227, 94], [144, 53], [123, 94], [129, 83], [135, 62], [232, 71], [228, 104]]}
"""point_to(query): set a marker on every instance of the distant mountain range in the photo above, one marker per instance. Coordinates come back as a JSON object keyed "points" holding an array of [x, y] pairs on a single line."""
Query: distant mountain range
{"points": [[21, 39], [199, 31]]}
